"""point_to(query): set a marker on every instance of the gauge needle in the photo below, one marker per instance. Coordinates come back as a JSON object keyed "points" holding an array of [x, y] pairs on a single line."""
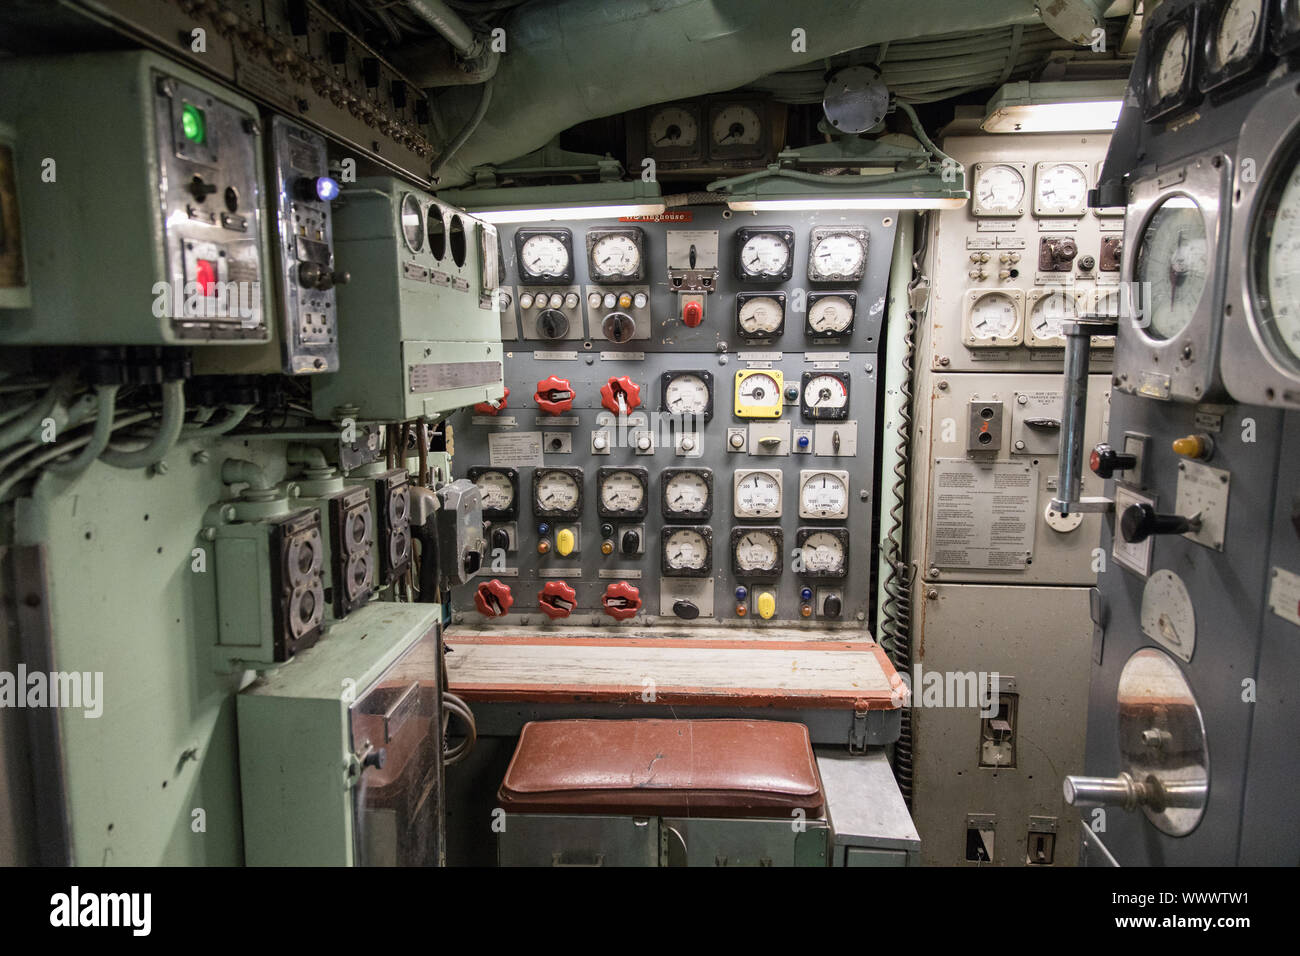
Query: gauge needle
{"points": [[1169, 631]]}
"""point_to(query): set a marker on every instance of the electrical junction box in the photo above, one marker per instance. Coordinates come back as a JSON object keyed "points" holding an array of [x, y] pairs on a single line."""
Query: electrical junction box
{"points": [[149, 186], [419, 322]]}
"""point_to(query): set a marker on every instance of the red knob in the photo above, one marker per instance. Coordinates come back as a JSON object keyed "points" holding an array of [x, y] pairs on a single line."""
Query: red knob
{"points": [[554, 395], [692, 314], [491, 408], [621, 601], [493, 598], [557, 599], [620, 395]]}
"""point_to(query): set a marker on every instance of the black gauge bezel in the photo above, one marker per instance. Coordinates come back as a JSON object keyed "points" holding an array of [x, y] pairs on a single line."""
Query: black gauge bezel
{"points": [[1211, 79], [744, 234], [666, 533], [498, 514], [815, 297], [641, 474], [860, 233], [742, 298], [667, 378], [666, 477], [827, 414], [1284, 26], [777, 534], [570, 513], [522, 235], [1187, 95], [636, 234], [756, 150], [677, 154], [801, 535]]}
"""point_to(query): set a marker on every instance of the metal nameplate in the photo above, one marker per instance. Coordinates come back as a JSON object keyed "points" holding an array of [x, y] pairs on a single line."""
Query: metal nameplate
{"points": [[441, 376]]}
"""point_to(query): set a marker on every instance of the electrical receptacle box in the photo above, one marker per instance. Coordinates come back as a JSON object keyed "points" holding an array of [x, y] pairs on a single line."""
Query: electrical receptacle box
{"points": [[998, 734], [984, 431], [392, 503]]}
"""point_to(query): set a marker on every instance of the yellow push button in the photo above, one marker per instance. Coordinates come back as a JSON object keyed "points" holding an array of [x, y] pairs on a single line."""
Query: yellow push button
{"points": [[766, 604], [564, 541], [1192, 446]]}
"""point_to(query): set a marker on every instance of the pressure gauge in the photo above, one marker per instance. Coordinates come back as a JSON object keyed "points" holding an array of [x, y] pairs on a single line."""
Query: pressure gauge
{"points": [[1173, 263], [760, 316], [498, 490], [1236, 35], [545, 255], [736, 130], [557, 492], [1276, 278], [764, 255], [687, 494], [1048, 315], [412, 223], [674, 131], [824, 396], [993, 318], [758, 393], [616, 255], [1060, 189], [622, 492], [998, 189], [686, 552], [688, 394], [830, 315], [1173, 60], [822, 552], [823, 494], [756, 493], [1168, 615], [837, 255], [1171, 39], [756, 552]]}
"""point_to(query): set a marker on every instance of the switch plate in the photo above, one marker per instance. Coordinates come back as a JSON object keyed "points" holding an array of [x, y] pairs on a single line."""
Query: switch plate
{"points": [[984, 425], [698, 591], [761, 435], [836, 439], [1036, 423], [1204, 490]]}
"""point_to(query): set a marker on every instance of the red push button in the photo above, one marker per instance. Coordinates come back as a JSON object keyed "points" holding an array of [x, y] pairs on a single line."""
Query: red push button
{"points": [[692, 314], [205, 274], [493, 598], [557, 599], [491, 408], [621, 601], [620, 395], [554, 395]]}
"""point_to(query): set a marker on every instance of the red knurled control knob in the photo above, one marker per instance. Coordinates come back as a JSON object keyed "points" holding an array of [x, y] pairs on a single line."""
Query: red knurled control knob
{"points": [[620, 395], [493, 598], [621, 601], [557, 599], [491, 408], [692, 314], [554, 395]]}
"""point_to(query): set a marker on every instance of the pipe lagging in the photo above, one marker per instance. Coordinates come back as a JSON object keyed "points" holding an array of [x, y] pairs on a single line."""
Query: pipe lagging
{"points": [[169, 430]]}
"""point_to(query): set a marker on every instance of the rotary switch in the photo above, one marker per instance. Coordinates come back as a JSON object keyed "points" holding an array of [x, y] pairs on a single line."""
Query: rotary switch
{"points": [[618, 327], [620, 395], [621, 601], [1105, 461], [557, 599], [554, 395], [553, 324], [493, 598], [491, 408]]}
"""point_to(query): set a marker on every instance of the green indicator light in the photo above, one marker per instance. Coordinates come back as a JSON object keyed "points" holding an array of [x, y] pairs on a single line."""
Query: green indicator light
{"points": [[192, 123]]}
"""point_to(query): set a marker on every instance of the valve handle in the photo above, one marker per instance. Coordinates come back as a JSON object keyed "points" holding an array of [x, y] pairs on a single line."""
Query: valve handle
{"points": [[493, 598], [557, 599], [554, 395], [620, 395], [491, 408], [621, 601]]}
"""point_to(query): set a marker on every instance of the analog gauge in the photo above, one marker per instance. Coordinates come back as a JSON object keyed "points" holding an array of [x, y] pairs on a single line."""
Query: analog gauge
{"points": [[837, 255], [1060, 189], [825, 395], [673, 127], [613, 256], [1168, 615], [412, 223], [764, 255], [496, 491], [823, 494], [760, 316], [557, 492], [1050, 313], [823, 553], [1234, 37], [622, 492], [757, 494], [686, 552], [1172, 62], [756, 552], [687, 493], [994, 317], [999, 190], [1277, 270], [758, 394], [830, 315], [736, 125], [1173, 263], [544, 256], [688, 393]]}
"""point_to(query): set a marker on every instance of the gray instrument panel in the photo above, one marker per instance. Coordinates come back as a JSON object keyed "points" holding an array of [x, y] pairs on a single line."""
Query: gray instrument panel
{"points": [[523, 436]]}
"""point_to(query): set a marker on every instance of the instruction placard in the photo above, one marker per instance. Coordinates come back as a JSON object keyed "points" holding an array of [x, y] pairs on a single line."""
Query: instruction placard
{"points": [[515, 449], [983, 514]]}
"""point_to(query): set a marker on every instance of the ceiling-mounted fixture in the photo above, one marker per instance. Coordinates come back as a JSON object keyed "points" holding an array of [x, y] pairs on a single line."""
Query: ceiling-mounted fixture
{"points": [[1075, 106], [856, 99], [607, 200]]}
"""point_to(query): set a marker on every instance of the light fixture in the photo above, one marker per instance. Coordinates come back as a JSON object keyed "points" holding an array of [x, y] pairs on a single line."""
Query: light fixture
{"points": [[1076, 106], [780, 188], [602, 200]]}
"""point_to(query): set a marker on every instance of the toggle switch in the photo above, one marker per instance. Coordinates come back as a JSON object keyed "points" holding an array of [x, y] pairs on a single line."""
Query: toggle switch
{"points": [[493, 598], [621, 601], [557, 599]]}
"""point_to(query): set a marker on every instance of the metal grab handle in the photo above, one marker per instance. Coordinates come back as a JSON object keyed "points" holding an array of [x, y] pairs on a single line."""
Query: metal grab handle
{"points": [[1126, 792], [1074, 410]]}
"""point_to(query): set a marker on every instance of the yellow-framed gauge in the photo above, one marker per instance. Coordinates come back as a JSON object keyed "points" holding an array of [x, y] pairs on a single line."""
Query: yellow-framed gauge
{"points": [[758, 393]]}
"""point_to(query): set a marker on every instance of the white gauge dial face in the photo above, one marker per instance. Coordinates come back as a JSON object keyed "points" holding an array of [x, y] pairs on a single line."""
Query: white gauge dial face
{"points": [[760, 390], [615, 256], [1061, 186], [1172, 63], [765, 254], [761, 315], [495, 490], [822, 553], [1281, 268], [825, 391], [622, 491], [1173, 257], [736, 126], [823, 495], [758, 495], [686, 550], [686, 493], [673, 128], [1168, 615], [832, 313], [1050, 313], [1000, 188], [544, 255], [557, 491], [412, 223], [757, 551], [687, 395], [1237, 29], [993, 316], [839, 254]]}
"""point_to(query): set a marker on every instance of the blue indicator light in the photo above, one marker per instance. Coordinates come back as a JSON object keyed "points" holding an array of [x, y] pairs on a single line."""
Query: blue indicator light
{"points": [[806, 594], [741, 594], [326, 189]]}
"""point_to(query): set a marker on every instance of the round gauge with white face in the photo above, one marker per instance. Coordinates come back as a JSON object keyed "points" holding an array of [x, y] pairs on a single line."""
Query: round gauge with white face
{"points": [[823, 494], [736, 125], [622, 491], [687, 493], [544, 256], [556, 492], [830, 315], [757, 494], [1173, 60], [673, 128], [758, 395], [1276, 254], [994, 316], [836, 256], [685, 551], [1168, 614], [765, 255], [823, 553], [496, 490], [615, 255], [412, 223], [1173, 264], [687, 393], [1049, 314], [999, 190], [759, 316], [1235, 33], [1060, 189], [825, 395], [756, 551]]}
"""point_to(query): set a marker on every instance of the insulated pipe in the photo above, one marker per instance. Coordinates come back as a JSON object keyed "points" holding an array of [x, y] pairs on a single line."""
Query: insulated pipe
{"points": [[448, 23], [148, 455], [107, 395], [40, 410], [238, 471]]}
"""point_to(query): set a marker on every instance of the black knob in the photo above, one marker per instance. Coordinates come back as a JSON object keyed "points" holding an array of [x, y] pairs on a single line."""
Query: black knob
{"points": [[376, 758], [618, 327], [472, 562], [832, 606], [686, 610], [340, 277], [1140, 521], [607, 530], [631, 542], [500, 539], [553, 324], [1086, 263], [1105, 461]]}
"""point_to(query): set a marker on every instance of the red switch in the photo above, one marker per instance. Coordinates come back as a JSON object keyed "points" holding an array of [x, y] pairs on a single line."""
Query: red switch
{"points": [[620, 395], [692, 314], [621, 601], [554, 395], [205, 274], [491, 408], [493, 598], [557, 599]]}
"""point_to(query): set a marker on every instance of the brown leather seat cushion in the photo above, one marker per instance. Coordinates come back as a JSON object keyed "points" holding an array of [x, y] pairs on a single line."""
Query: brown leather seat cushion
{"points": [[650, 767]]}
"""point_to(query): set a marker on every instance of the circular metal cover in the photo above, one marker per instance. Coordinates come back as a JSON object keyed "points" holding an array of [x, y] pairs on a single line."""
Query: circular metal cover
{"points": [[856, 99]]}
